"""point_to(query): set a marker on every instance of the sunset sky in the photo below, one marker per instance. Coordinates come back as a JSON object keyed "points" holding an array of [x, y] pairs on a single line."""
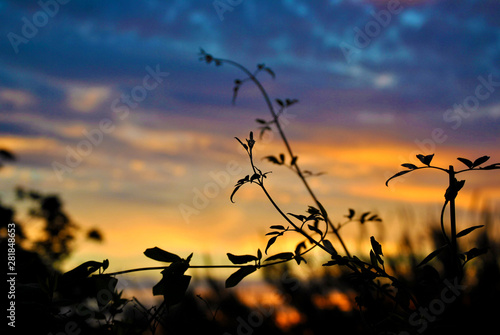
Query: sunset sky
{"points": [[106, 104]]}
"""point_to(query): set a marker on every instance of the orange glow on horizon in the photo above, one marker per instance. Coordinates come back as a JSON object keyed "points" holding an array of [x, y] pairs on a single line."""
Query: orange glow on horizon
{"points": [[334, 299]]}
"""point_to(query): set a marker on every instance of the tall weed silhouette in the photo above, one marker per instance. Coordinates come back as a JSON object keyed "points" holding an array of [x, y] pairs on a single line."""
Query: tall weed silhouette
{"points": [[386, 300]]}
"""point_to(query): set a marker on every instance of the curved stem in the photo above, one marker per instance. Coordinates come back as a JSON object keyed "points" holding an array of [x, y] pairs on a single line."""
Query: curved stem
{"points": [[453, 225], [287, 144], [433, 167], [165, 267], [275, 117], [443, 230], [223, 266], [297, 228]]}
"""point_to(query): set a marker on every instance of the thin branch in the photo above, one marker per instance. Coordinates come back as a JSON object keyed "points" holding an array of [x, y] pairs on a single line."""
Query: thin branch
{"points": [[287, 144]]}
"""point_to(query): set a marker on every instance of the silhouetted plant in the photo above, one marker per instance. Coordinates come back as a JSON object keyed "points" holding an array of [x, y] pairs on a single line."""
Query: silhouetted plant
{"points": [[377, 287], [386, 302], [457, 260]]}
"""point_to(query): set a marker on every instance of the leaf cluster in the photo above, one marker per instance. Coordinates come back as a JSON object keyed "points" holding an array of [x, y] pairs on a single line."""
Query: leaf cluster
{"points": [[174, 282], [465, 256], [426, 160]]}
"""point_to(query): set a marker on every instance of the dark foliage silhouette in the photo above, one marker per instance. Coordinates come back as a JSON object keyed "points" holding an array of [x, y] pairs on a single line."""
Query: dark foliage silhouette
{"points": [[389, 298]]}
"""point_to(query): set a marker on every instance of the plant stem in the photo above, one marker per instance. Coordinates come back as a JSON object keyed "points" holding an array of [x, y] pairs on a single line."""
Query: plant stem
{"points": [[287, 144], [224, 266], [164, 267], [298, 229], [453, 224]]}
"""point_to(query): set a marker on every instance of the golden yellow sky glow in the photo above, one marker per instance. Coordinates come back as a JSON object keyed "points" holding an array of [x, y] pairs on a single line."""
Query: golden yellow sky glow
{"points": [[135, 200]]}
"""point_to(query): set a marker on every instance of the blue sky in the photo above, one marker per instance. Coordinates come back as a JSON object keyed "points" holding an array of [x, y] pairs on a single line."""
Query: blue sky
{"points": [[413, 63]]}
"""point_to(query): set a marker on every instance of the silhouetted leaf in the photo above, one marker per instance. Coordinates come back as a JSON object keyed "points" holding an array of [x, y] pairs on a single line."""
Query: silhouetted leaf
{"points": [[271, 72], [315, 229], [205, 56], [270, 243], [277, 227], [301, 245], [301, 218], [255, 176], [480, 160], [241, 259], [172, 286], [104, 283], [299, 259], [377, 248], [425, 159], [251, 141], [409, 166], [280, 102], [236, 277], [468, 230], [95, 235], [331, 263], [351, 214], [491, 167], [329, 246], [261, 121], [281, 256], [362, 219], [273, 159], [373, 259], [294, 160], [308, 173], [322, 210], [290, 102], [313, 210], [282, 158], [452, 190], [161, 255], [432, 255], [474, 252], [243, 180], [82, 271], [467, 162], [397, 175], [274, 233], [259, 254], [5, 154], [243, 144], [105, 265], [234, 191]]}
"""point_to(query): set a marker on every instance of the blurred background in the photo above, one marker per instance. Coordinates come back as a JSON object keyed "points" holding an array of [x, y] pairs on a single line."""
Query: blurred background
{"points": [[114, 123]]}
